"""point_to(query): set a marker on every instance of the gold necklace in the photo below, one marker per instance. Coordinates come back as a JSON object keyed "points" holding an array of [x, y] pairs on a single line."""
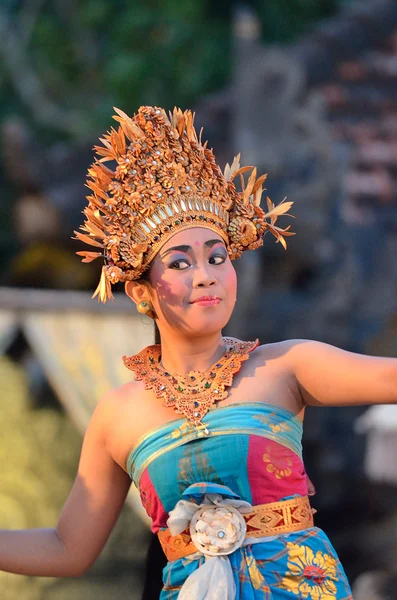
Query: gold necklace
{"points": [[194, 394]]}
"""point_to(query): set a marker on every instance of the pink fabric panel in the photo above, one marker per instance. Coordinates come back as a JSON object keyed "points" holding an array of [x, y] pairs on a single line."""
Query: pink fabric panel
{"points": [[152, 503], [274, 471]]}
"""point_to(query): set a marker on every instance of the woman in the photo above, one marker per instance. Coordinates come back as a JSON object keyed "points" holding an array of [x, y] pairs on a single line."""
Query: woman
{"points": [[210, 429]]}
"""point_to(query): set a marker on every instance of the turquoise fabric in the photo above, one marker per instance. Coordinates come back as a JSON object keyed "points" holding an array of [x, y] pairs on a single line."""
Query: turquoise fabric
{"points": [[252, 418], [253, 452]]}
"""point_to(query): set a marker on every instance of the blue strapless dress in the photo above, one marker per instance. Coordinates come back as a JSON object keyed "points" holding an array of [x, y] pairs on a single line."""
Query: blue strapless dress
{"points": [[254, 449]]}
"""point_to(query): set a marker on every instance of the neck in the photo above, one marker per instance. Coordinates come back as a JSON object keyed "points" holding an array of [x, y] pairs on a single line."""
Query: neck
{"points": [[183, 354]]}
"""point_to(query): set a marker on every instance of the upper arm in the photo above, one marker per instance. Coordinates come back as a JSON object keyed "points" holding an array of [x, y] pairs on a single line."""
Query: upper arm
{"points": [[96, 498], [327, 375]]}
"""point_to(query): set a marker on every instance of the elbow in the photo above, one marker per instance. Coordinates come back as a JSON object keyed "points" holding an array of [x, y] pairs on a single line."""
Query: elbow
{"points": [[82, 564], [76, 567], [74, 563], [78, 570]]}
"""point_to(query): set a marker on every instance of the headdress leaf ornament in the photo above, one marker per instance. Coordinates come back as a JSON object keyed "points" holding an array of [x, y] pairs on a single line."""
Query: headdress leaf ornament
{"points": [[164, 181]]}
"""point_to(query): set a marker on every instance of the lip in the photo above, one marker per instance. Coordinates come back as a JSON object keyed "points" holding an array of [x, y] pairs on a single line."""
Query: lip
{"points": [[207, 301]]}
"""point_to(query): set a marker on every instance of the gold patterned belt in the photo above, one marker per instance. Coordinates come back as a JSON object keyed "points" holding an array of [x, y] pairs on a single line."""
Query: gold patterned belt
{"points": [[265, 520]]}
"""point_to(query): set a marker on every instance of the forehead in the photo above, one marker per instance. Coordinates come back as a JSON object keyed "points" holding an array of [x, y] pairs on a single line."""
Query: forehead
{"points": [[194, 236]]}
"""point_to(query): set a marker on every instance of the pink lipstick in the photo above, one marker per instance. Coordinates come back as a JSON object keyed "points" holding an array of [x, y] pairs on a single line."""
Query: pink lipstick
{"points": [[207, 301]]}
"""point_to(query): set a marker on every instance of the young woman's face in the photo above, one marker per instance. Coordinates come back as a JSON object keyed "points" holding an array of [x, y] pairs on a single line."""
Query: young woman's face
{"points": [[193, 282]]}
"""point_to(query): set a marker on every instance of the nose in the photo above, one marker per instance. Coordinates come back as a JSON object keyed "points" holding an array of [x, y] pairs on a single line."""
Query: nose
{"points": [[203, 277]]}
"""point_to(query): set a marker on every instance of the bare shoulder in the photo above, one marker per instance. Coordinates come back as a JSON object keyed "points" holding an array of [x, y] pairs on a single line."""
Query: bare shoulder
{"points": [[116, 405], [279, 352], [332, 376], [127, 415], [120, 395], [295, 357], [299, 353], [268, 377]]}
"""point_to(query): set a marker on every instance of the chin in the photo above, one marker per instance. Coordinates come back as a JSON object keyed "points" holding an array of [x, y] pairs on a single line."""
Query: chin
{"points": [[195, 323], [206, 323]]}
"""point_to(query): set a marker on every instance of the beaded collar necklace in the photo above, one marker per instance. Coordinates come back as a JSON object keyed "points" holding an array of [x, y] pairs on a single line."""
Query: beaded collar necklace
{"points": [[195, 393]]}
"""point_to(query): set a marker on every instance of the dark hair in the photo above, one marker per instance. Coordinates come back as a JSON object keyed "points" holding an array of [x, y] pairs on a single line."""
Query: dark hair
{"points": [[146, 277], [155, 558]]}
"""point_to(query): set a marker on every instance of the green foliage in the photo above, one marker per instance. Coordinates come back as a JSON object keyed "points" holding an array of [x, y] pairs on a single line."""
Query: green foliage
{"points": [[91, 54], [286, 21], [128, 54]]}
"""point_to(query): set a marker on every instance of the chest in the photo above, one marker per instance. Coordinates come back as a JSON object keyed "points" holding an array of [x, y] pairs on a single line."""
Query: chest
{"points": [[270, 384]]}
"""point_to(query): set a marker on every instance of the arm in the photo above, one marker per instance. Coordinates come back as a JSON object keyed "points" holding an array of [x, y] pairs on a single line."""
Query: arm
{"points": [[330, 376], [86, 520]]}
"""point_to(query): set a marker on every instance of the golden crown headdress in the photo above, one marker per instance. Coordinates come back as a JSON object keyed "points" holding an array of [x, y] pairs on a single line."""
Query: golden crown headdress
{"points": [[165, 180]]}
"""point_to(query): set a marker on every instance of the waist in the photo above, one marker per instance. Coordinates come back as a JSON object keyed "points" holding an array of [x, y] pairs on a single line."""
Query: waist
{"points": [[265, 520]]}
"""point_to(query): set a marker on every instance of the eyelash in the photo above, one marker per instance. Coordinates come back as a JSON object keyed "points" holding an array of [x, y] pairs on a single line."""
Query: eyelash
{"points": [[184, 260], [222, 256], [176, 262]]}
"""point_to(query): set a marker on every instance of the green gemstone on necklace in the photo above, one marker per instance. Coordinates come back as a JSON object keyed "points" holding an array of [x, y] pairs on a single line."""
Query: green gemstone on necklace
{"points": [[207, 385], [179, 388]]}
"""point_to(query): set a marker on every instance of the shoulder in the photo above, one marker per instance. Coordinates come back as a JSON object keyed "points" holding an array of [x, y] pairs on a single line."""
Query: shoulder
{"points": [[111, 405], [116, 416], [129, 389], [289, 355], [281, 351], [271, 377]]}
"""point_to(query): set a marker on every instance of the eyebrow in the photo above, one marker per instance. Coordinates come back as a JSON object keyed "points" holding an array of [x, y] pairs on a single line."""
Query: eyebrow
{"points": [[185, 248]]}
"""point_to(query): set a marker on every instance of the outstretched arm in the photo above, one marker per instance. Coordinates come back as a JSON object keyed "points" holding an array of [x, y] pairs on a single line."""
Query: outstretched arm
{"points": [[86, 520], [327, 375]]}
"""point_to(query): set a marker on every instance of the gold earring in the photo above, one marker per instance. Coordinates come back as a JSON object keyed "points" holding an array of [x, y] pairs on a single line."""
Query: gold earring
{"points": [[144, 307]]}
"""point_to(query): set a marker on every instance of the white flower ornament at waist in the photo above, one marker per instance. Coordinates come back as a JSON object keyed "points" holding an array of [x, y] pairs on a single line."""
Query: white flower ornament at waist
{"points": [[217, 530]]}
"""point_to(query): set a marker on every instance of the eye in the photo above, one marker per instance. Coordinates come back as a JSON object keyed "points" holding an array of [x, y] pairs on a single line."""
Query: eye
{"points": [[180, 265], [217, 259]]}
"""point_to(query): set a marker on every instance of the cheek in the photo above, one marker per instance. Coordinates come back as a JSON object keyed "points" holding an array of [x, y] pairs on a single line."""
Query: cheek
{"points": [[169, 289], [230, 282]]}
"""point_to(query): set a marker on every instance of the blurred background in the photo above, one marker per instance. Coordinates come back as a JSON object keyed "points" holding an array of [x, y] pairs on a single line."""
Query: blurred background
{"points": [[306, 90]]}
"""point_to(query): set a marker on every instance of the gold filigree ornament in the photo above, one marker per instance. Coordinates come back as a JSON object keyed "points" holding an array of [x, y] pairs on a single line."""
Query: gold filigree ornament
{"points": [[164, 181], [194, 394]]}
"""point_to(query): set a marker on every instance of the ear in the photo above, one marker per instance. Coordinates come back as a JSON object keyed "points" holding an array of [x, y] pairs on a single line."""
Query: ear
{"points": [[137, 290]]}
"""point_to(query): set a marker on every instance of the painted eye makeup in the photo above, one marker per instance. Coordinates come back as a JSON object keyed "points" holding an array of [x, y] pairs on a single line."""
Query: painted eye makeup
{"points": [[218, 257], [179, 264]]}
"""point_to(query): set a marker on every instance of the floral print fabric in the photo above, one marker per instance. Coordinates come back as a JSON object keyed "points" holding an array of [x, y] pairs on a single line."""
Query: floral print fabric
{"points": [[294, 566], [254, 449]]}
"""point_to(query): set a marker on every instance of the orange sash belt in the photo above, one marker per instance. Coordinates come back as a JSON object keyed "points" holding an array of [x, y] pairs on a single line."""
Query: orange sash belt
{"points": [[265, 520]]}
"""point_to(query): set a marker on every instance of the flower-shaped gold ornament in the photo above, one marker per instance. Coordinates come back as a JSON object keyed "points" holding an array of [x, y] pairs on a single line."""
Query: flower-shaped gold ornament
{"points": [[217, 530]]}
